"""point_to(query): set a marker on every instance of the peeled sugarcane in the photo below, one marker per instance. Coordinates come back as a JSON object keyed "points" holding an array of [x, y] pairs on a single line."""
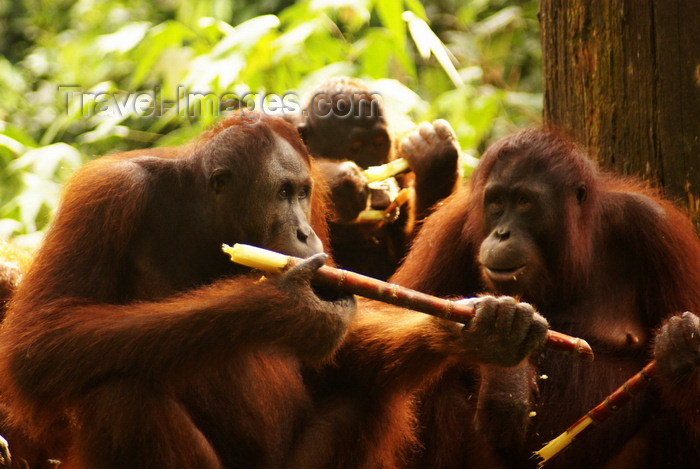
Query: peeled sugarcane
{"points": [[381, 216], [599, 413], [374, 289], [385, 171]]}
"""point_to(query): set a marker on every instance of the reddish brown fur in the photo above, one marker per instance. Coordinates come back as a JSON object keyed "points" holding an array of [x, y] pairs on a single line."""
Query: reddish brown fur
{"points": [[25, 453], [86, 341], [365, 399], [621, 265], [187, 363]]}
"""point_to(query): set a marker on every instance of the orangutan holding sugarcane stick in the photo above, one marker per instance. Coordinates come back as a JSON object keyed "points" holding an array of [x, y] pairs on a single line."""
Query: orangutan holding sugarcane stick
{"points": [[391, 354], [678, 358], [346, 127], [599, 413], [603, 258], [350, 282]]}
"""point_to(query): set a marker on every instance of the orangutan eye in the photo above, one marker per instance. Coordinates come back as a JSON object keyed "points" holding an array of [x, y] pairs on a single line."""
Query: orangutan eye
{"points": [[380, 140], [524, 202], [496, 202], [285, 191]]}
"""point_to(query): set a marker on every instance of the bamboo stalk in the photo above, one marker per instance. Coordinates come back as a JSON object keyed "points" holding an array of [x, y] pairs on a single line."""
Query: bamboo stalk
{"points": [[374, 289], [599, 413]]}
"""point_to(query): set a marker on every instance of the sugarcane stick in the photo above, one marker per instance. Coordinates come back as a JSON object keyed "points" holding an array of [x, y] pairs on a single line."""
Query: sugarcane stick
{"points": [[374, 289], [385, 171], [599, 413], [380, 216]]}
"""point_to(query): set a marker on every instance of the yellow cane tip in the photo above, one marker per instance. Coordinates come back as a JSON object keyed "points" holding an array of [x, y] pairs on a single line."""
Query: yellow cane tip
{"points": [[555, 446], [403, 196], [549, 450], [255, 257]]}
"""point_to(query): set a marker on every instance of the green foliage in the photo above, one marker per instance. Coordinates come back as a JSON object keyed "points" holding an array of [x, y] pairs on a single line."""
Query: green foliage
{"points": [[81, 78]]}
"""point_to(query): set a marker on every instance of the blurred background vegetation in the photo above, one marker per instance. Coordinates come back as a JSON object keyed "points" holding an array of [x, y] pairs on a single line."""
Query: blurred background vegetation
{"points": [[476, 63]]}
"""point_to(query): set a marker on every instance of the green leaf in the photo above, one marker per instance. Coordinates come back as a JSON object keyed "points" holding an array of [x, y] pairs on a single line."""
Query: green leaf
{"points": [[45, 162], [389, 12], [427, 42], [246, 34], [417, 8], [498, 21], [123, 40]]}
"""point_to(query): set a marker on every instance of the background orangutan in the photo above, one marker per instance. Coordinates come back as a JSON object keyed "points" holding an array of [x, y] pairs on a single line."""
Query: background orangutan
{"points": [[10, 276], [602, 258], [344, 126], [14, 260]]}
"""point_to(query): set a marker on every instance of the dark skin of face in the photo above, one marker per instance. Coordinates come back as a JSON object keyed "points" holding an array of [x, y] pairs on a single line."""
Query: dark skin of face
{"points": [[281, 192], [362, 139], [520, 209]]}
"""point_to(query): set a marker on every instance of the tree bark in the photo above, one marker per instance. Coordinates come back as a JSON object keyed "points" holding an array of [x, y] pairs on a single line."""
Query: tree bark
{"points": [[623, 78]]}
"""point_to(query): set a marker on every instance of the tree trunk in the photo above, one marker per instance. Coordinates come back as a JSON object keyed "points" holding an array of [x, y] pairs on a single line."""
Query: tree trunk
{"points": [[623, 78]]}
